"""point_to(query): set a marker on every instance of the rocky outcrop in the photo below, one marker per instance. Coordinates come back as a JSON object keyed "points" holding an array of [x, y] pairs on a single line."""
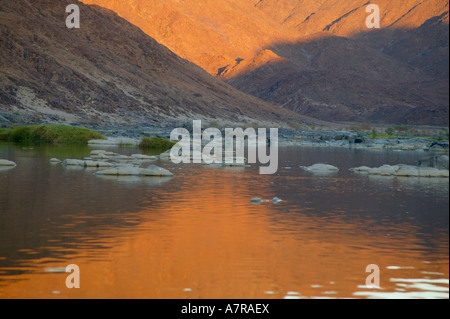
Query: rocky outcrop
{"points": [[403, 171], [320, 168], [350, 139], [86, 163], [439, 162], [441, 146], [109, 163]]}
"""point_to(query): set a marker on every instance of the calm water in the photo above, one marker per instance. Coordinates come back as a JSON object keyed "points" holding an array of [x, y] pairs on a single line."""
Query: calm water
{"points": [[197, 235]]}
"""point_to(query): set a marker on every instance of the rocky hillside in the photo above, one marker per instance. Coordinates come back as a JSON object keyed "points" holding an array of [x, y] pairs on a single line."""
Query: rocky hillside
{"points": [[106, 72], [316, 58]]}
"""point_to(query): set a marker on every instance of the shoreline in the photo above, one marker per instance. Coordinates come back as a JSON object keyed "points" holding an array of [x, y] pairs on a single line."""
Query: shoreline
{"points": [[327, 139]]}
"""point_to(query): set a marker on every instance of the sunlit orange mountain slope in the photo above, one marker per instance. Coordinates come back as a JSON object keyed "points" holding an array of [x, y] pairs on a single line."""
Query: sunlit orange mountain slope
{"points": [[314, 57]]}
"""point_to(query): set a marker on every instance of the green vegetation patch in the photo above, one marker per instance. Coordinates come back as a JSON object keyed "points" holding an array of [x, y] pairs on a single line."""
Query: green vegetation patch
{"points": [[4, 133], [49, 134], [158, 143]]}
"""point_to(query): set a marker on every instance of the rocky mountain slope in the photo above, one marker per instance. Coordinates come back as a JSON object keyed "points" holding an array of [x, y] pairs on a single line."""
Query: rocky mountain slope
{"points": [[106, 72], [316, 58]]}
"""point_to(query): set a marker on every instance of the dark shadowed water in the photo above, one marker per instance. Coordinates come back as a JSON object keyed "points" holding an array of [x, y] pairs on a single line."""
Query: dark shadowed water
{"points": [[197, 235]]}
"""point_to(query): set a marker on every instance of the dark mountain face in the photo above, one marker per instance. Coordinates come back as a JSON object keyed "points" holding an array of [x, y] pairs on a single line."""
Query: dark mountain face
{"points": [[383, 76]]}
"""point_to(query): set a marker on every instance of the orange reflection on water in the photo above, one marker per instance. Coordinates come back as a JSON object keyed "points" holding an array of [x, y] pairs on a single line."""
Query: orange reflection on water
{"points": [[209, 241]]}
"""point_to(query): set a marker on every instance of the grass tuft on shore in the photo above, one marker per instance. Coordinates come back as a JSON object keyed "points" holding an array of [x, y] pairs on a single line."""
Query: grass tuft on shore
{"points": [[156, 143], [49, 134], [4, 133]]}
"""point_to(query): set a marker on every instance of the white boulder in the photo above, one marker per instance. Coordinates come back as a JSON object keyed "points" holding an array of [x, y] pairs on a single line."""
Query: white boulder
{"points": [[362, 169], [4, 162], [407, 171], [152, 170], [385, 170], [97, 164], [320, 168], [433, 172], [144, 157], [73, 162]]}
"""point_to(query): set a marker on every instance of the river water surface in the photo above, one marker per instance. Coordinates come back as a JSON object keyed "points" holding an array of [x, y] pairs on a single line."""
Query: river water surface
{"points": [[197, 235]]}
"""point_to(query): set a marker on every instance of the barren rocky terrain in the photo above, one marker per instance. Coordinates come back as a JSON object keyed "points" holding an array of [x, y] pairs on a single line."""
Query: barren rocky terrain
{"points": [[290, 61], [107, 72], [316, 58]]}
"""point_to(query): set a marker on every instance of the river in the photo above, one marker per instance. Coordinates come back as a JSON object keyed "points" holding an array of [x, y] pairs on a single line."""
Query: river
{"points": [[197, 235]]}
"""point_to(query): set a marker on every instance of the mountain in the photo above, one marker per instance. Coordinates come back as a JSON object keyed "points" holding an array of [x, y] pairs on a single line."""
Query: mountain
{"points": [[209, 33], [317, 58], [107, 72]]}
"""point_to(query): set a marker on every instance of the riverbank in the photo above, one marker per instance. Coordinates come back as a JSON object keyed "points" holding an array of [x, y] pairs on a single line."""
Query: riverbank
{"points": [[435, 141], [344, 139]]}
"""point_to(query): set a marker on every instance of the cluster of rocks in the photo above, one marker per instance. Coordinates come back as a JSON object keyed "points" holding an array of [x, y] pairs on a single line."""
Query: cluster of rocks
{"points": [[402, 170], [210, 160], [116, 141], [110, 163], [350, 139], [435, 166]]}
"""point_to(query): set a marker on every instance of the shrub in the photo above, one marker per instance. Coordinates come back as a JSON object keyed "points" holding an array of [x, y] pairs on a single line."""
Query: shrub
{"points": [[4, 134], [401, 128], [389, 131], [157, 143], [50, 134], [373, 134], [214, 124]]}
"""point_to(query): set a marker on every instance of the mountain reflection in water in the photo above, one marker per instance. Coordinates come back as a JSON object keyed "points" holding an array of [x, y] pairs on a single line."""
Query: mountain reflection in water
{"points": [[197, 235]]}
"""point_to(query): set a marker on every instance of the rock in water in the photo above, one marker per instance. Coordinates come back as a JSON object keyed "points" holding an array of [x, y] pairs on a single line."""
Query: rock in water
{"points": [[97, 164], [55, 269], [256, 200], [4, 162], [152, 170], [144, 157], [54, 161], [276, 200], [407, 170], [86, 163], [433, 172], [97, 152], [385, 170], [73, 162], [320, 168], [403, 171], [362, 169]]}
